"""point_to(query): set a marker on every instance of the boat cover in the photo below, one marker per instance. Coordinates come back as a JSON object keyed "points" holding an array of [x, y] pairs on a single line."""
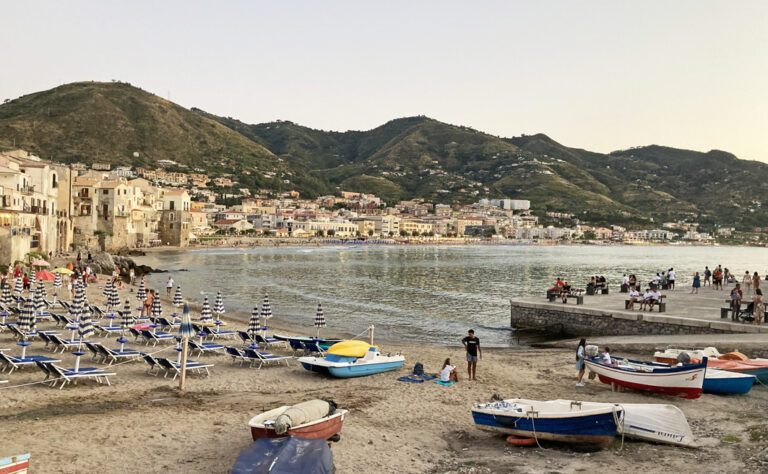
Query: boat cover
{"points": [[304, 412], [349, 348], [288, 455]]}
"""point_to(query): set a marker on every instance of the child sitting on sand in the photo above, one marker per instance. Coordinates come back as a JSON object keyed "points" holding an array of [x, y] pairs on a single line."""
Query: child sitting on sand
{"points": [[448, 372]]}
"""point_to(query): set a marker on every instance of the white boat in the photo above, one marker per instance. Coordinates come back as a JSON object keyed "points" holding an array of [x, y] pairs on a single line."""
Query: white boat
{"points": [[669, 355], [654, 422], [685, 381], [353, 359]]}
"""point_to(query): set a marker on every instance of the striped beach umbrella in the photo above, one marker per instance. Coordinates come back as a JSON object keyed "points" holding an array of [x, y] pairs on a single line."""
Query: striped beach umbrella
{"points": [[39, 300], [141, 294], [107, 289], [157, 308], [205, 312], [177, 299], [218, 305], [266, 313], [56, 286], [254, 325], [319, 319], [26, 315], [41, 289], [84, 330], [32, 277], [113, 301], [5, 295], [125, 322], [19, 286], [186, 330]]}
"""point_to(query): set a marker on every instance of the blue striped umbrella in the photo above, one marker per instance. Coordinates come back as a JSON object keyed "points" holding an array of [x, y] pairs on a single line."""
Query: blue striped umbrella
{"points": [[186, 330], [19, 287], [107, 289], [157, 308], [113, 301], [84, 330], [266, 313], [177, 299], [26, 316], [319, 319], [39, 299], [141, 295], [32, 277], [218, 305], [41, 289], [5, 296], [205, 312], [125, 323], [56, 286], [254, 325]]}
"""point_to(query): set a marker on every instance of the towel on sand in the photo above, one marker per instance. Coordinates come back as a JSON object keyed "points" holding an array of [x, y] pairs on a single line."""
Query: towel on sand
{"points": [[413, 378], [444, 384]]}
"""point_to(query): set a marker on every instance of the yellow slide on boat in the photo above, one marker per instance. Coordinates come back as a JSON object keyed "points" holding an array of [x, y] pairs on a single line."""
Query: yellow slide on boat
{"points": [[350, 348]]}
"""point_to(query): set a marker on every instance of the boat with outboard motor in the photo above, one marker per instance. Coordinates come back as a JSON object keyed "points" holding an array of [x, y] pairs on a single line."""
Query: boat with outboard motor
{"points": [[685, 381]]}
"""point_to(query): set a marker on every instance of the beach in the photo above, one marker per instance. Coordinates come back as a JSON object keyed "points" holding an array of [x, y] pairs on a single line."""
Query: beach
{"points": [[143, 424]]}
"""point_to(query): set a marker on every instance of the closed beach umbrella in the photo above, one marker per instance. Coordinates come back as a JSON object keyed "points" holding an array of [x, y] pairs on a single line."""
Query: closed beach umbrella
{"points": [[32, 277], [25, 325], [319, 319], [84, 330], [205, 312], [19, 286], [141, 294], [41, 289], [266, 313], [107, 289], [185, 332], [125, 322], [39, 299], [5, 295], [218, 306], [76, 307], [113, 301], [157, 308], [254, 325], [56, 286], [177, 299]]}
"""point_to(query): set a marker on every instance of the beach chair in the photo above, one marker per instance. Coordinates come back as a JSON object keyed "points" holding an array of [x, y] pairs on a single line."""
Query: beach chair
{"points": [[12, 363], [64, 304], [69, 375], [93, 348], [216, 334], [246, 338], [297, 346], [264, 358], [153, 363], [46, 339], [156, 337], [175, 367], [204, 347], [64, 344], [107, 330], [97, 312], [313, 348], [236, 355], [111, 356], [164, 324], [135, 333]]}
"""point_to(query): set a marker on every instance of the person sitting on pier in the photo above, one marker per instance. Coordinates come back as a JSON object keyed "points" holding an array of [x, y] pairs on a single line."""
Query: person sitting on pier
{"points": [[592, 283], [647, 299], [625, 281], [558, 283], [565, 291], [634, 295]]}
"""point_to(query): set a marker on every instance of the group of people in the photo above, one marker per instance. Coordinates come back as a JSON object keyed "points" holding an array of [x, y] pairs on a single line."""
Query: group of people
{"points": [[597, 283], [650, 298], [581, 354], [472, 348]]}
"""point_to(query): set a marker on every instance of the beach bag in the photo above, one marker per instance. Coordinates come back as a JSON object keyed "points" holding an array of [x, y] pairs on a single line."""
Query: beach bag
{"points": [[418, 368]]}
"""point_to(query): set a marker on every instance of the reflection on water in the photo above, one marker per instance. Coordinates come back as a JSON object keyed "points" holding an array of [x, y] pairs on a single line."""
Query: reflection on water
{"points": [[422, 294]]}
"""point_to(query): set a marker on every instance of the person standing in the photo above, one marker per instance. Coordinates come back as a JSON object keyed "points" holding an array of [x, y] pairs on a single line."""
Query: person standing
{"points": [[736, 296], [474, 353], [746, 282], [759, 309], [580, 353], [755, 282], [696, 283], [707, 276], [132, 276], [168, 287], [671, 278]]}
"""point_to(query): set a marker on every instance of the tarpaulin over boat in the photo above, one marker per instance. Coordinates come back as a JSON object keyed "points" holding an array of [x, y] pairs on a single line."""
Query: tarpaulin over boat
{"points": [[285, 456]]}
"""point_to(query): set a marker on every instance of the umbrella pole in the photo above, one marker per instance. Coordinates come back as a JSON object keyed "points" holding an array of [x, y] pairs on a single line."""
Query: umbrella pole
{"points": [[183, 374], [370, 331]]}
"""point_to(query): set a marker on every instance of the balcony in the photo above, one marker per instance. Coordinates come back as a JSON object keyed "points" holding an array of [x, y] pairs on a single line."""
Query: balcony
{"points": [[27, 189]]}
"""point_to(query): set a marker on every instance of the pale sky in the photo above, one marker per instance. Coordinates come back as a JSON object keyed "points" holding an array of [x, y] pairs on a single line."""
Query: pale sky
{"points": [[601, 75]]}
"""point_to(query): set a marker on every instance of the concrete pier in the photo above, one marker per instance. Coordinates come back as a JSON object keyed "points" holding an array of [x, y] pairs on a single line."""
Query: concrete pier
{"points": [[604, 315]]}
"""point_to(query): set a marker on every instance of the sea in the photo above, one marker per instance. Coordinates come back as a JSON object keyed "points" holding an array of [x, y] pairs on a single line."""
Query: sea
{"points": [[421, 294]]}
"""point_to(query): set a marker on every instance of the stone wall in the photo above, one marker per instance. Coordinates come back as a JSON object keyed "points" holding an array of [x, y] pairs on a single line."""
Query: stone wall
{"points": [[578, 321]]}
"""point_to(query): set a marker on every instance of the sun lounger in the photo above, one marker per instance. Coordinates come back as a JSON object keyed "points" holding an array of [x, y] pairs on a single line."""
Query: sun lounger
{"points": [[313, 348], [204, 347], [247, 339], [153, 363], [97, 312], [264, 358], [164, 324], [93, 348], [65, 376], [236, 354], [107, 330], [64, 344], [111, 356], [175, 367], [216, 334], [270, 341], [156, 337], [297, 346], [13, 363]]}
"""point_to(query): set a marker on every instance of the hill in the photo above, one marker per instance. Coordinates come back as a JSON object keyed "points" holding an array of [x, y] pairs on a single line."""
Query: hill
{"points": [[403, 158]]}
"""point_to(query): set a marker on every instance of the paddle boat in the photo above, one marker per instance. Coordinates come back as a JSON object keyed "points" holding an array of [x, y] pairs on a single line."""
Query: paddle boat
{"points": [[555, 420], [352, 359], [685, 381], [263, 425]]}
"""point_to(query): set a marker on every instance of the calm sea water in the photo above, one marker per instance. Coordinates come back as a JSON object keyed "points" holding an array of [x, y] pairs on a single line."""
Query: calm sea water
{"points": [[421, 294]]}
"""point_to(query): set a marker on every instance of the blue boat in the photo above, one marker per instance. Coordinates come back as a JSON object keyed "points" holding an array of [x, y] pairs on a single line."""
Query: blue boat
{"points": [[727, 383], [555, 420], [373, 362]]}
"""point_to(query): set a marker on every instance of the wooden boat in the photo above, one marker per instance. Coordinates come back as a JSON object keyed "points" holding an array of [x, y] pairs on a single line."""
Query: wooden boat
{"points": [[555, 420], [285, 455], [262, 426], [372, 362], [669, 355], [684, 381], [727, 383], [731, 361], [15, 464], [655, 422]]}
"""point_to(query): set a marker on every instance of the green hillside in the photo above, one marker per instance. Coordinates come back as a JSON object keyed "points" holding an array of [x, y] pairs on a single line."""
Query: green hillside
{"points": [[404, 158]]}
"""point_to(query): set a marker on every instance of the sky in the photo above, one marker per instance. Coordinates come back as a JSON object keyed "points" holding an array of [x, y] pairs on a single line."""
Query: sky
{"points": [[600, 75]]}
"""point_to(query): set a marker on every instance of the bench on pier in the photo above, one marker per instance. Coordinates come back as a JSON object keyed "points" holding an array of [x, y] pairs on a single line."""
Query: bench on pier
{"points": [[577, 293], [662, 305]]}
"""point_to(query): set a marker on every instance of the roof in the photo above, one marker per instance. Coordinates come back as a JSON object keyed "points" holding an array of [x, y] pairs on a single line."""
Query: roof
{"points": [[227, 221], [176, 192]]}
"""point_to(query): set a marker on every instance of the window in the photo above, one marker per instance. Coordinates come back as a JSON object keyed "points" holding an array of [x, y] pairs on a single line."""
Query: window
{"points": [[172, 217], [54, 181], [171, 226], [172, 205], [105, 191]]}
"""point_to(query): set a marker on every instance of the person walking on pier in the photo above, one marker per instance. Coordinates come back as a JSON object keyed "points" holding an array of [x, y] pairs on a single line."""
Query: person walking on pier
{"points": [[707, 276], [472, 346], [696, 283]]}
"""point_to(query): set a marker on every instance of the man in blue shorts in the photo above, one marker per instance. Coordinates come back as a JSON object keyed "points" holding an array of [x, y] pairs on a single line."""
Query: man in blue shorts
{"points": [[472, 346]]}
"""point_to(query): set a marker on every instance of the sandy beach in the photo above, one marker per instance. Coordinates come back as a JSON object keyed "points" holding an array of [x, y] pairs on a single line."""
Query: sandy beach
{"points": [[143, 424]]}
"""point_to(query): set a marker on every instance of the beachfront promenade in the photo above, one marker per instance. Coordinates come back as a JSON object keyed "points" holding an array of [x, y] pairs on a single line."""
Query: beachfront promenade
{"points": [[604, 315]]}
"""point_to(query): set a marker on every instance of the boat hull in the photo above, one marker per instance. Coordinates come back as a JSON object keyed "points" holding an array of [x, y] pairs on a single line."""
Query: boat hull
{"points": [[315, 368], [322, 429], [590, 429], [752, 367], [730, 383], [685, 382], [364, 369]]}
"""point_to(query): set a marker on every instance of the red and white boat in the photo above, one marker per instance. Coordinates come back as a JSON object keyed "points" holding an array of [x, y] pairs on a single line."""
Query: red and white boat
{"points": [[263, 425], [685, 381], [15, 464]]}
